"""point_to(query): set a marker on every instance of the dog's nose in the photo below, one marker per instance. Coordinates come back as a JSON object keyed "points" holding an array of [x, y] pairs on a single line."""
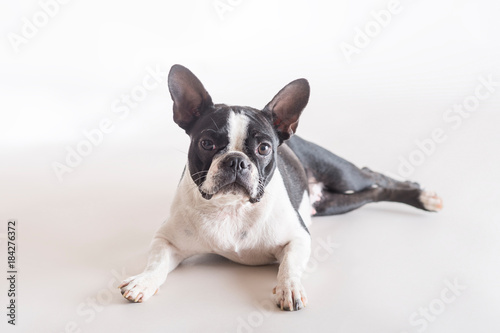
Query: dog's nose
{"points": [[237, 163]]}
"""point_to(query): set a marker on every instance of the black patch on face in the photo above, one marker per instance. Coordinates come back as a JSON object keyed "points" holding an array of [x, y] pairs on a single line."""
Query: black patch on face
{"points": [[213, 127]]}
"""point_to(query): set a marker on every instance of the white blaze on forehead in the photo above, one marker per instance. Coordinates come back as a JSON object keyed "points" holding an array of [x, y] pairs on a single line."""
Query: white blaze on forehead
{"points": [[238, 126]]}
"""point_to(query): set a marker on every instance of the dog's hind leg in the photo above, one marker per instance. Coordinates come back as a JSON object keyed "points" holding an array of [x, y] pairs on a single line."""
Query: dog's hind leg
{"points": [[338, 186], [331, 203]]}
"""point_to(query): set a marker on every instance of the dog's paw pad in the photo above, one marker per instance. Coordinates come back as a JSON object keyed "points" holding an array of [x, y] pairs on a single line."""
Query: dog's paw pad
{"points": [[138, 288], [290, 296], [431, 201]]}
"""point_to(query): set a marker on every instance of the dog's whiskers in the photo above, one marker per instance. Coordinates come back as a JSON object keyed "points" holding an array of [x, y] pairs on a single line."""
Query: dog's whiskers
{"points": [[199, 173]]}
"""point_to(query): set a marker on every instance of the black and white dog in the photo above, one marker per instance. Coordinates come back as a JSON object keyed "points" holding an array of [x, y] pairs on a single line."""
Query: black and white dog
{"points": [[249, 189]]}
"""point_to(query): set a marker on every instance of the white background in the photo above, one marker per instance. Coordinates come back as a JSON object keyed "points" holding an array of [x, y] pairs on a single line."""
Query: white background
{"points": [[80, 235]]}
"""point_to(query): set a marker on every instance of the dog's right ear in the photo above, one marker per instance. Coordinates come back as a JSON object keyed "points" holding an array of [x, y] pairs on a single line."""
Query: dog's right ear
{"points": [[190, 98]]}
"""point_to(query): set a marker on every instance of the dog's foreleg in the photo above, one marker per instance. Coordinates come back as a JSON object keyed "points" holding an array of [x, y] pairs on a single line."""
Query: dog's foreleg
{"points": [[163, 258], [289, 293]]}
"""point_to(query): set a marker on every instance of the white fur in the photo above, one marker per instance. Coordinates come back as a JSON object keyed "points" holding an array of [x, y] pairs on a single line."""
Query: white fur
{"points": [[431, 201], [218, 225], [315, 193], [315, 190], [238, 124], [305, 209]]}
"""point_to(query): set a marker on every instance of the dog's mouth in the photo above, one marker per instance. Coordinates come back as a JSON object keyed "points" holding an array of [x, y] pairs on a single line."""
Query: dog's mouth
{"points": [[235, 188]]}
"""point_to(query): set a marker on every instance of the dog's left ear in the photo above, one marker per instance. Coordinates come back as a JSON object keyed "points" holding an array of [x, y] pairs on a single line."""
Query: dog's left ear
{"points": [[286, 107], [190, 98]]}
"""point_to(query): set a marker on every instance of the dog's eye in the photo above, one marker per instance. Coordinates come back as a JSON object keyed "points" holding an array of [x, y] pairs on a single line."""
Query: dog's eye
{"points": [[264, 149], [207, 144]]}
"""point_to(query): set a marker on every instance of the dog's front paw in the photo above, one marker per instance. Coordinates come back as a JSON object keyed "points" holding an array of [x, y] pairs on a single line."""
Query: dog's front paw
{"points": [[290, 295], [139, 288]]}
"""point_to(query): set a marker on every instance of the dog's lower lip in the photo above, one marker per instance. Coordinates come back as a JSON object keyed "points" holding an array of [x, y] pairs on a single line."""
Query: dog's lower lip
{"points": [[230, 188], [233, 187]]}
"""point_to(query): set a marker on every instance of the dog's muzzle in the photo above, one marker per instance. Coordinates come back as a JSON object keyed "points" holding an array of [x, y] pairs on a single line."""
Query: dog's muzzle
{"points": [[235, 175]]}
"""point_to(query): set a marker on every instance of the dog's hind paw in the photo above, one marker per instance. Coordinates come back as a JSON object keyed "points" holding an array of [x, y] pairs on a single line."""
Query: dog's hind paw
{"points": [[139, 288], [431, 201]]}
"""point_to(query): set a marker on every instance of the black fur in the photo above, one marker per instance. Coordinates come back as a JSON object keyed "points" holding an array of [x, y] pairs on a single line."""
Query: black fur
{"points": [[339, 176]]}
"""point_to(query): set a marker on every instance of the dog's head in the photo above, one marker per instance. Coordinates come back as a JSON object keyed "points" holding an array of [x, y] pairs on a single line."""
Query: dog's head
{"points": [[233, 148]]}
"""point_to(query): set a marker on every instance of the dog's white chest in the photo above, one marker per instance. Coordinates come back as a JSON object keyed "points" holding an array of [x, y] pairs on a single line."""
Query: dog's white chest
{"points": [[231, 226], [225, 228], [235, 230]]}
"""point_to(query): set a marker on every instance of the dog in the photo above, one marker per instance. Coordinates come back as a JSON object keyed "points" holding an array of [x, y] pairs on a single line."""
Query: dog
{"points": [[250, 187]]}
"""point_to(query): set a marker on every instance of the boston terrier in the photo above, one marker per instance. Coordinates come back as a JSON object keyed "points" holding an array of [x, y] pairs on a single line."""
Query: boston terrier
{"points": [[250, 187]]}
